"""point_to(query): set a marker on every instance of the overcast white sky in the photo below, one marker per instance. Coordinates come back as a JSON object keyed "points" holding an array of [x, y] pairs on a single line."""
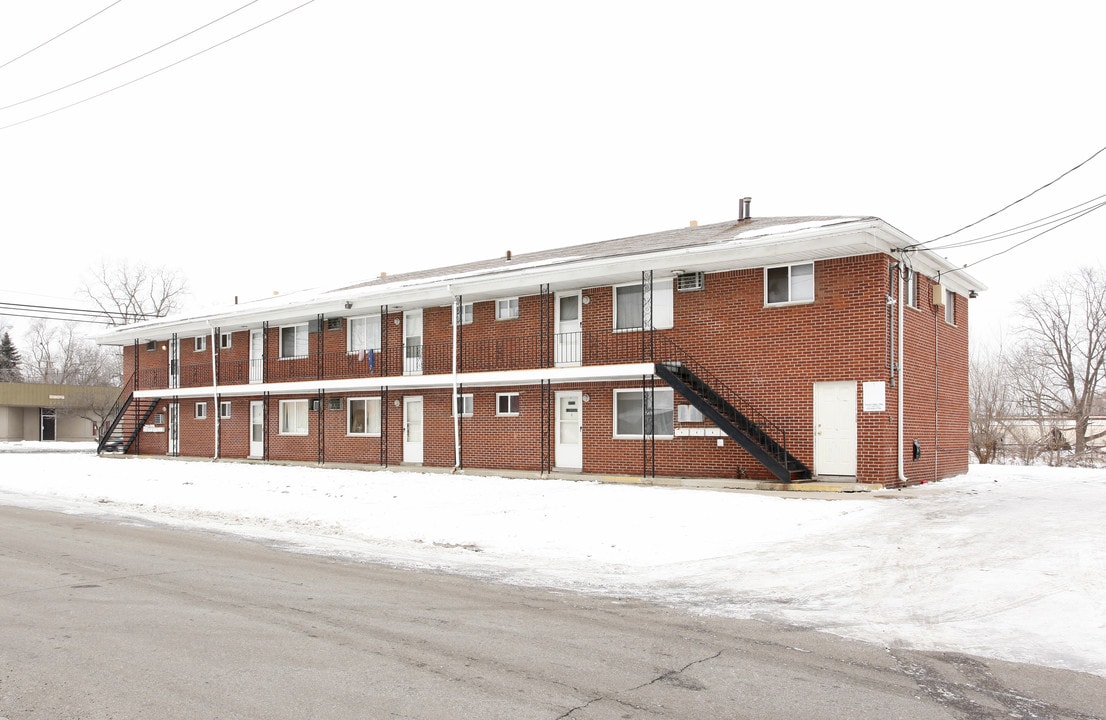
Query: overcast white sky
{"points": [[349, 137]]}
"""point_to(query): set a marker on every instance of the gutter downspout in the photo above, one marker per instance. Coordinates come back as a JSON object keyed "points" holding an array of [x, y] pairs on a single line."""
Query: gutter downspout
{"points": [[215, 388], [456, 308], [901, 412]]}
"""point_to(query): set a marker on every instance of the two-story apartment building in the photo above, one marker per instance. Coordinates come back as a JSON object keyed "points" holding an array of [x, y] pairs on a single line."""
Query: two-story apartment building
{"points": [[775, 348]]}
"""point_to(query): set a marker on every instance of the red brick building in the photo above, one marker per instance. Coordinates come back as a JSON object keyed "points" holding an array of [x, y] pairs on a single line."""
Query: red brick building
{"points": [[775, 348]]}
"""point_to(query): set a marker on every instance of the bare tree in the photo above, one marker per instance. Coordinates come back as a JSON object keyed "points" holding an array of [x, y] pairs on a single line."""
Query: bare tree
{"points": [[1064, 341], [58, 353], [130, 293], [989, 404]]}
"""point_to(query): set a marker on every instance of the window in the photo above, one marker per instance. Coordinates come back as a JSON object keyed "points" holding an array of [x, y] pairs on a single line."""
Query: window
{"points": [[201, 343], [224, 340], [630, 418], [159, 418], [911, 289], [506, 403], [789, 284], [363, 416], [224, 409], [201, 411], [506, 309], [293, 417], [630, 305], [950, 307], [363, 333], [464, 314], [463, 405], [293, 341]]}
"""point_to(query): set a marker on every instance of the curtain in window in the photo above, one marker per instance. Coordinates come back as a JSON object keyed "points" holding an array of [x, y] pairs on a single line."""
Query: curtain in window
{"points": [[627, 310]]}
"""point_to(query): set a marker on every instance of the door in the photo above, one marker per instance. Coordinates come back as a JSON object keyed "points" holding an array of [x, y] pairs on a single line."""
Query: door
{"points": [[257, 354], [569, 448], [412, 429], [174, 362], [48, 424], [174, 429], [567, 338], [257, 428], [412, 342], [835, 428]]}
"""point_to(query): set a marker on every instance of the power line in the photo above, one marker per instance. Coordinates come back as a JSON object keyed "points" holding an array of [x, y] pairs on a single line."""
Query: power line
{"points": [[1019, 229], [125, 62], [65, 314], [74, 27], [155, 72], [1025, 197]]}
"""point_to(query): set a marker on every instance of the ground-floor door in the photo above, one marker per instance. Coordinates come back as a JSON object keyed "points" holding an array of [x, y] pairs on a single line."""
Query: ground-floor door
{"points": [[257, 428], [174, 429], [569, 447], [835, 428], [48, 424], [412, 429]]}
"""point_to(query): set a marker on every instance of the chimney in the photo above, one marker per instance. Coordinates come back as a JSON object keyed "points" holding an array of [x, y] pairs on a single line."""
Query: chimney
{"points": [[694, 223], [744, 212], [508, 256]]}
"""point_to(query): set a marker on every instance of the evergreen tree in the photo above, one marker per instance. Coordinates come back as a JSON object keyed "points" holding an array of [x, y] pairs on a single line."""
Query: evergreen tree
{"points": [[9, 360]]}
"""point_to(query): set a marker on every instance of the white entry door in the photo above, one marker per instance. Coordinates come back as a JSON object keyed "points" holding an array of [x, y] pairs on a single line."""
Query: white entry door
{"points": [[412, 429], [570, 431], [835, 428], [567, 344], [174, 429], [412, 342], [257, 353], [257, 428], [174, 362]]}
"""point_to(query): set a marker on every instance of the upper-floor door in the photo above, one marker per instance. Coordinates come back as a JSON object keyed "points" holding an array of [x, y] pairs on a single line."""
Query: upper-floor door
{"points": [[412, 342], [174, 362], [568, 337], [257, 355]]}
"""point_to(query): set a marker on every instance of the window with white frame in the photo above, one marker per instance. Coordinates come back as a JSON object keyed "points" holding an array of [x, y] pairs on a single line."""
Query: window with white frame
{"points": [[506, 403], [950, 307], [201, 411], [224, 340], [462, 405], [911, 289], [224, 409], [630, 417], [506, 308], [630, 305], [464, 314], [293, 341], [789, 284], [363, 333], [201, 343], [363, 416], [293, 417]]}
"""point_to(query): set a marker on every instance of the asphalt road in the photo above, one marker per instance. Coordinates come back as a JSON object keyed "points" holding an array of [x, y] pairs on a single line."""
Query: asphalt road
{"points": [[104, 619]]}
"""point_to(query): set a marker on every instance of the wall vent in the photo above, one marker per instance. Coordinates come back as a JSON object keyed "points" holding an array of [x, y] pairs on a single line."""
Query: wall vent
{"points": [[334, 403], [334, 323]]}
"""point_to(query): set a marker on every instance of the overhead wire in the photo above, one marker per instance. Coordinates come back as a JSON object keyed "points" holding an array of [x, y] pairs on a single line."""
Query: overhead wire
{"points": [[63, 32], [67, 314], [159, 70], [126, 62], [1019, 229]]}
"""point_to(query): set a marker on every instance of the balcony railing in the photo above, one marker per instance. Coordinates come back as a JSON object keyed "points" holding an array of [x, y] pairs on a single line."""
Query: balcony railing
{"points": [[592, 348]]}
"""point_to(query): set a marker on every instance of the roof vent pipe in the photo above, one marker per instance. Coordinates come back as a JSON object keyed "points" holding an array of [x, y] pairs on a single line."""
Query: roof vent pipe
{"points": [[508, 256], [745, 213]]}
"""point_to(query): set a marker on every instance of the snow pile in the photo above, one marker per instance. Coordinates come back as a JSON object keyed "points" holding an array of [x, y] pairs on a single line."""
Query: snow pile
{"points": [[1007, 562]]}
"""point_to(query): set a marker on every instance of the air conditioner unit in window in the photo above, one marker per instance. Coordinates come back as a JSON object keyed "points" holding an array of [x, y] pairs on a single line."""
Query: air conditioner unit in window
{"points": [[689, 281], [313, 404], [688, 413], [938, 294], [334, 403]]}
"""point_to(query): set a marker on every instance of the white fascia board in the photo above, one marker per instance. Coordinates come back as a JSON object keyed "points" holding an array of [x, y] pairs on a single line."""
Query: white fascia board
{"points": [[596, 373]]}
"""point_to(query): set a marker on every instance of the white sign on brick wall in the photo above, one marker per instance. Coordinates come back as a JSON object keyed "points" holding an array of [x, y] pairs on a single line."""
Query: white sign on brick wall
{"points": [[875, 396]]}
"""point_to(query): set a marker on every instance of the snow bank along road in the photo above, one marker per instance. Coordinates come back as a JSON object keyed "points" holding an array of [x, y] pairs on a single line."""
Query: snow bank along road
{"points": [[104, 619]]}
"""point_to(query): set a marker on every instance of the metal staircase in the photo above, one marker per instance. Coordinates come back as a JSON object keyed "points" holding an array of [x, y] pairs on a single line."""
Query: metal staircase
{"points": [[127, 419], [760, 437]]}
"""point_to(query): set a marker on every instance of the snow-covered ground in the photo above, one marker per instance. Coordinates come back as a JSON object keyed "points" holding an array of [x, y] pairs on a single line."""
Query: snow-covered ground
{"points": [[1006, 562]]}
